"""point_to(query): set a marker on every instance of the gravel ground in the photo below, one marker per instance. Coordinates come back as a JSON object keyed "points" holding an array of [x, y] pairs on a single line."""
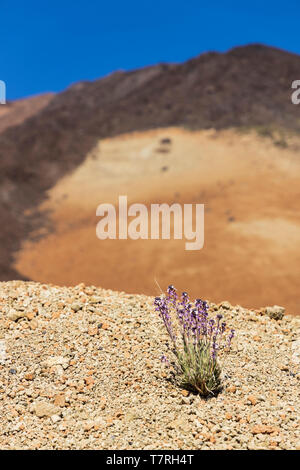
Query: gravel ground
{"points": [[80, 369]]}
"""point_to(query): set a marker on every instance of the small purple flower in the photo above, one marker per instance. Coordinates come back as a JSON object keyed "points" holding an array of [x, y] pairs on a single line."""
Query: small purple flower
{"points": [[185, 298], [214, 348], [172, 295], [165, 360]]}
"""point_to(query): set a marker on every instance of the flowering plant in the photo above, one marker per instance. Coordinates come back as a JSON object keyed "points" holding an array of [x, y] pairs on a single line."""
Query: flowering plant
{"points": [[195, 339]]}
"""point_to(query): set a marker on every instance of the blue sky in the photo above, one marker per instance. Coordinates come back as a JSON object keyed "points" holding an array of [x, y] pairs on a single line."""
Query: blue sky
{"points": [[47, 45]]}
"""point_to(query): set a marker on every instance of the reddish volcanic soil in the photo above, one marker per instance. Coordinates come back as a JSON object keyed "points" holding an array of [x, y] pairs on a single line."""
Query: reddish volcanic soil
{"points": [[250, 189]]}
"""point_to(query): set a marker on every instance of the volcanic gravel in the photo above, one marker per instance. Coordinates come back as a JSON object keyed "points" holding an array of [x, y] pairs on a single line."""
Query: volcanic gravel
{"points": [[80, 368]]}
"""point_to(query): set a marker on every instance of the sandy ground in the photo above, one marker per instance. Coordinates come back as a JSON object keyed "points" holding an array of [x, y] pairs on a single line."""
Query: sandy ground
{"points": [[80, 368], [250, 189]]}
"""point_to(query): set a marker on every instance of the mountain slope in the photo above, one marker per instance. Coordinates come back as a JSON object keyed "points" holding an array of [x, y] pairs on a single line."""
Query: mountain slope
{"points": [[246, 87]]}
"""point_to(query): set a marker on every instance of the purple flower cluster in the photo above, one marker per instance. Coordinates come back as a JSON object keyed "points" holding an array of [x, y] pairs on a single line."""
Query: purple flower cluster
{"points": [[196, 329]]}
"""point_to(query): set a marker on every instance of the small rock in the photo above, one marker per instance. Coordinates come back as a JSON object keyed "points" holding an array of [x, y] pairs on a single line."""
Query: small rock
{"points": [[59, 400], [29, 376], [57, 361], [30, 315], [252, 399], [225, 304], [94, 299], [276, 312], [296, 351], [43, 409], [264, 429], [88, 426], [15, 315], [102, 403], [76, 307], [55, 418], [89, 380], [99, 423], [33, 324], [93, 331]]}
